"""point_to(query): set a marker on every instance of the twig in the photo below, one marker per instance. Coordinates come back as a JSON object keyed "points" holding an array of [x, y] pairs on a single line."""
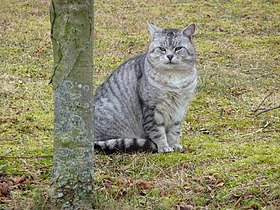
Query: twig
{"points": [[261, 103], [257, 131], [5, 155], [238, 200], [266, 110]]}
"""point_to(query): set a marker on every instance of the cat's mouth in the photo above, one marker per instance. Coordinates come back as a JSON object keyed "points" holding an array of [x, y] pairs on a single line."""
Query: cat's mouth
{"points": [[170, 63]]}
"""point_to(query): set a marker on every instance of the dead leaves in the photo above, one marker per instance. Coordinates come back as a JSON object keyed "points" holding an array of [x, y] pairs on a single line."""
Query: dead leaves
{"points": [[4, 190], [186, 207], [152, 192], [213, 184], [19, 180], [8, 185], [123, 188]]}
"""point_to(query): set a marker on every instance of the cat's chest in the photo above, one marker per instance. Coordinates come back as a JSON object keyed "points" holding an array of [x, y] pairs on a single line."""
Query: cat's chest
{"points": [[168, 80], [172, 107]]}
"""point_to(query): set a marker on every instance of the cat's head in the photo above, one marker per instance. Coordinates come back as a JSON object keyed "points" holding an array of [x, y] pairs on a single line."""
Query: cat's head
{"points": [[172, 48]]}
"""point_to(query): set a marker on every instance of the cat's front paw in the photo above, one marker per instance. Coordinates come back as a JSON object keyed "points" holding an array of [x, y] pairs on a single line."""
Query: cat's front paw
{"points": [[177, 147], [166, 150]]}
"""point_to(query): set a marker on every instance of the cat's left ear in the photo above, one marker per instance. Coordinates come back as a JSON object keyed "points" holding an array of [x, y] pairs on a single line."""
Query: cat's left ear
{"points": [[189, 31], [152, 29]]}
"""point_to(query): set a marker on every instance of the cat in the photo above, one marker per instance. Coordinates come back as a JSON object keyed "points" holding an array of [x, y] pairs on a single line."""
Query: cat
{"points": [[142, 104]]}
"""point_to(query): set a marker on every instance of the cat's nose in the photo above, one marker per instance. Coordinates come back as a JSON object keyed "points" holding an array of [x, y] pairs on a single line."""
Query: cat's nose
{"points": [[170, 57]]}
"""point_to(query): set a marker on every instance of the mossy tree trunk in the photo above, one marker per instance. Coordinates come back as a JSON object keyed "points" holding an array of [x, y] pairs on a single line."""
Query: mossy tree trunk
{"points": [[71, 33]]}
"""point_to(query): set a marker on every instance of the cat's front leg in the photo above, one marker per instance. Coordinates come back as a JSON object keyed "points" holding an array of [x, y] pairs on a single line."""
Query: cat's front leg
{"points": [[158, 136], [156, 131], [173, 136]]}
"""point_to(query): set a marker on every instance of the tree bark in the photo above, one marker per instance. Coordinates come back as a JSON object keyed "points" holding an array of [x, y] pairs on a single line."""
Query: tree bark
{"points": [[72, 80]]}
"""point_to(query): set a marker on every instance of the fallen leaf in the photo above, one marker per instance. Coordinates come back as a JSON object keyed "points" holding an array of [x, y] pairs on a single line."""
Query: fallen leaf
{"points": [[142, 193], [187, 207], [5, 201], [209, 188], [38, 181], [19, 180], [161, 193], [143, 185], [220, 184], [4, 190], [212, 193], [107, 184], [211, 177], [122, 194]]}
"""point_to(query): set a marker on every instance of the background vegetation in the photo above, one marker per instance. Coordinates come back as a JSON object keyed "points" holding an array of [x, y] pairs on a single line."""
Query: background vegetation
{"points": [[231, 158]]}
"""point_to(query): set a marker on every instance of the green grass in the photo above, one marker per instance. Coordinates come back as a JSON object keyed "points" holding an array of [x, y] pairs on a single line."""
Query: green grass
{"points": [[231, 158]]}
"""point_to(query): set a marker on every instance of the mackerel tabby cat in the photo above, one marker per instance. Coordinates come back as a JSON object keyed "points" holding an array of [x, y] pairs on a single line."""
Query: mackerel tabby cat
{"points": [[141, 106]]}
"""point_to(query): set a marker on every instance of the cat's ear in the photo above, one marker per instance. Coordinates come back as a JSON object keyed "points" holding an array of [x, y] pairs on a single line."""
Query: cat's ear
{"points": [[152, 28], [189, 31]]}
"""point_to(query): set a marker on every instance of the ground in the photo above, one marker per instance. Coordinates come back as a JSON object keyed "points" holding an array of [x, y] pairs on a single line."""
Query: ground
{"points": [[231, 134]]}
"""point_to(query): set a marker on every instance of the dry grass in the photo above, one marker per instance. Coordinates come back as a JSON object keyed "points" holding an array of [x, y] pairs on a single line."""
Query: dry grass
{"points": [[231, 158]]}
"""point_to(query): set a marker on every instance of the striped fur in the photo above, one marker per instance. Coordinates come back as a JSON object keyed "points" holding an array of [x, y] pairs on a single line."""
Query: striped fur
{"points": [[141, 106], [126, 145]]}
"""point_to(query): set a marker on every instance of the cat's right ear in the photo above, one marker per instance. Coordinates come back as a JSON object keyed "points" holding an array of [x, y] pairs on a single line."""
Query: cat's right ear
{"points": [[189, 31], [152, 28]]}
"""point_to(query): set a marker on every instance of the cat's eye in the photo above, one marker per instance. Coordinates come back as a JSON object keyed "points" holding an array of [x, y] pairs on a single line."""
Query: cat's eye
{"points": [[162, 49], [178, 49]]}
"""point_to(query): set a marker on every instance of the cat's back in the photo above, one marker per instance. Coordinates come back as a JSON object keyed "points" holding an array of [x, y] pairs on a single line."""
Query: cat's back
{"points": [[117, 105], [122, 80]]}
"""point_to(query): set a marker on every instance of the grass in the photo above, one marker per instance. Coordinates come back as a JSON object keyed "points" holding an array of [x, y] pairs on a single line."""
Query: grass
{"points": [[231, 158]]}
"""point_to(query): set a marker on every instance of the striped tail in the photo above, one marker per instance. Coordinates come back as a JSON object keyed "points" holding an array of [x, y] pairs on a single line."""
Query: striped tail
{"points": [[127, 145]]}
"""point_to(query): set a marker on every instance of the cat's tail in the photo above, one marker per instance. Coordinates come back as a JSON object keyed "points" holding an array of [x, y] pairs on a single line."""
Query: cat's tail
{"points": [[127, 145]]}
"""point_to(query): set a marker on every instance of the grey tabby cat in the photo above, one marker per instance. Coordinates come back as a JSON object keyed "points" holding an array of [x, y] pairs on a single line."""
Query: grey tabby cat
{"points": [[141, 106]]}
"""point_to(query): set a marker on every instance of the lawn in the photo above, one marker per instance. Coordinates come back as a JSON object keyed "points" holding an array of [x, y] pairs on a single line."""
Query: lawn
{"points": [[231, 134]]}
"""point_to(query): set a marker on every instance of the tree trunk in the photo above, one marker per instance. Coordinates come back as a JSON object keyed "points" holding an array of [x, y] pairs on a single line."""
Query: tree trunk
{"points": [[72, 174]]}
